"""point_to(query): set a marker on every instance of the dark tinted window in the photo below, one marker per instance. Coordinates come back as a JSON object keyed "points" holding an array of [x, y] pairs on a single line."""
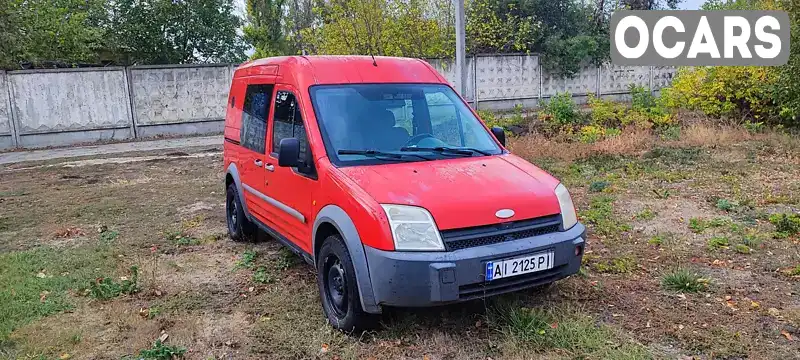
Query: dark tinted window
{"points": [[254, 117], [288, 122]]}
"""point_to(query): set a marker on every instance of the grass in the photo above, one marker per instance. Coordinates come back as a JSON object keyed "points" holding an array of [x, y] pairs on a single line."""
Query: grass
{"points": [[160, 351], [656, 240], [795, 271], [104, 288], [646, 214], [725, 204], [786, 223], [698, 225], [684, 280], [742, 249], [718, 242], [248, 259], [598, 186], [601, 215], [35, 283], [568, 332], [622, 265]]}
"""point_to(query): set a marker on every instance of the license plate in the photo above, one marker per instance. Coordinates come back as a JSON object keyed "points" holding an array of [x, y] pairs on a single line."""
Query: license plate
{"points": [[517, 266]]}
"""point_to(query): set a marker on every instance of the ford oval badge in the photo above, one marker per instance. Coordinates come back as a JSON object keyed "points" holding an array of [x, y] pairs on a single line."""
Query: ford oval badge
{"points": [[504, 213]]}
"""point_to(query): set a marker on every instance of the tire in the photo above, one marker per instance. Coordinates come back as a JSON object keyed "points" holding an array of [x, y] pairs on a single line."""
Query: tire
{"points": [[338, 289], [239, 227]]}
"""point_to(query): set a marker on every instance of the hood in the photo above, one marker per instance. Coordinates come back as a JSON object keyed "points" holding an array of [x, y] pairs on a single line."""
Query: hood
{"points": [[462, 192]]}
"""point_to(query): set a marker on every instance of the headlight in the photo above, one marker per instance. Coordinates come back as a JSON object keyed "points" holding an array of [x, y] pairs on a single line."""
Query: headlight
{"points": [[568, 216], [413, 228]]}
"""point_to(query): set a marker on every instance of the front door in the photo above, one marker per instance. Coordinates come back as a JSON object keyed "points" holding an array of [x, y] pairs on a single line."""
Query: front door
{"points": [[290, 188], [253, 138]]}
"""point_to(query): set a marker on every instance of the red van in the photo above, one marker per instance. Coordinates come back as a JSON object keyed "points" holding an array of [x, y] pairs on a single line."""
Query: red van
{"points": [[380, 176]]}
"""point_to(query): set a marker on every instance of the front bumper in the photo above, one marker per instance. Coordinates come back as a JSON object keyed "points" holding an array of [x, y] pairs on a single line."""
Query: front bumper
{"points": [[430, 278]]}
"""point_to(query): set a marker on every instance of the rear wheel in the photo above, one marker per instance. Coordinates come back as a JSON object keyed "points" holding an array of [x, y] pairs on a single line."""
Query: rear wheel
{"points": [[239, 227], [338, 288]]}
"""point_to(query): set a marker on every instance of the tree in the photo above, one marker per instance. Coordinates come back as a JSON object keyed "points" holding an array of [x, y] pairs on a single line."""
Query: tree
{"points": [[566, 33], [57, 31], [173, 32], [378, 27], [265, 28], [651, 4]]}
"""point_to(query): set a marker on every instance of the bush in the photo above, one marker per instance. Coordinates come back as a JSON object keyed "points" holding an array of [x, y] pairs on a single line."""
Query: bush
{"points": [[605, 112], [788, 224], [561, 111]]}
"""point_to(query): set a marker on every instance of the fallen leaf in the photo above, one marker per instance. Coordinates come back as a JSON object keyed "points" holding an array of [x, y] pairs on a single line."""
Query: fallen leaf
{"points": [[43, 296], [773, 312], [163, 337], [65, 356], [754, 304], [324, 348], [554, 325], [426, 357], [41, 275], [787, 335]]}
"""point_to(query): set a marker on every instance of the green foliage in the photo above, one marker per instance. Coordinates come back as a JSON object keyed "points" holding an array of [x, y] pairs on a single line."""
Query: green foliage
{"points": [[725, 204], [379, 27], [108, 236], [174, 32], [683, 280], [605, 112], [159, 351], [568, 34], [656, 240], [786, 223], [724, 91], [105, 288], [646, 214], [699, 225], [248, 259], [36, 283], [598, 186], [545, 329], [718, 242], [263, 276], [742, 249], [621, 265], [61, 31], [795, 271], [601, 215], [561, 111], [265, 28]]}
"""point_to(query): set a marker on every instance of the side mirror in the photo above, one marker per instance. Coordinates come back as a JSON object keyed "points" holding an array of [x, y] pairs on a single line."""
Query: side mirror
{"points": [[498, 132], [289, 153]]}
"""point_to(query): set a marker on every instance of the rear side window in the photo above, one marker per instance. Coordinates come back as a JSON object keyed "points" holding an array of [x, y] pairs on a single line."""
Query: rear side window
{"points": [[288, 122], [254, 117]]}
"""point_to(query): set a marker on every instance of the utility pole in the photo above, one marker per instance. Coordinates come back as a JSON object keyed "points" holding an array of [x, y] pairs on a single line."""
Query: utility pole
{"points": [[461, 53]]}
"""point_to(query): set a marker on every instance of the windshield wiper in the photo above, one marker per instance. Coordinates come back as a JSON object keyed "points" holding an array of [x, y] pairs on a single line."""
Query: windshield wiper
{"points": [[380, 155], [449, 150]]}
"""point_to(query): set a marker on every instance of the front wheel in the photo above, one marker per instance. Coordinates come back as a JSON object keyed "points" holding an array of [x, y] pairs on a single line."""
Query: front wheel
{"points": [[338, 288], [239, 227]]}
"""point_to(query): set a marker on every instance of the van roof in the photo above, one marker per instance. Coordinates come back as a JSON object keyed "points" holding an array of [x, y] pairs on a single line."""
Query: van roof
{"points": [[306, 71]]}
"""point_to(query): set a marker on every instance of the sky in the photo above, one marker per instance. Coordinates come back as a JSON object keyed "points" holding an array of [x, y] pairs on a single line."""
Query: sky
{"points": [[692, 4]]}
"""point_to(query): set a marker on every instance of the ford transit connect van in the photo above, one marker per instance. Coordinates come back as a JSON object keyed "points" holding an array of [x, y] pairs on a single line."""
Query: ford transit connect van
{"points": [[378, 174]]}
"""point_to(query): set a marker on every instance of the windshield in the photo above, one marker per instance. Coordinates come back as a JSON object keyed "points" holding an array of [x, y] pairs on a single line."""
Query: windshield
{"points": [[377, 123]]}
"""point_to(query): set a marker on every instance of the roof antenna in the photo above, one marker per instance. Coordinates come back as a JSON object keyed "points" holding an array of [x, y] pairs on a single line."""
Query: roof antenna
{"points": [[373, 59]]}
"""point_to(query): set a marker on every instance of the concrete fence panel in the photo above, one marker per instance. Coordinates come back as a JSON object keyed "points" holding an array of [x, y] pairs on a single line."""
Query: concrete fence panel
{"points": [[6, 135], [583, 83], [508, 77], [663, 75], [447, 67], [65, 106], [618, 79], [179, 99]]}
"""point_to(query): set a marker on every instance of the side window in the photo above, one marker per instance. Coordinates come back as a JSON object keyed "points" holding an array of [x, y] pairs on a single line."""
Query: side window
{"points": [[288, 122], [253, 133]]}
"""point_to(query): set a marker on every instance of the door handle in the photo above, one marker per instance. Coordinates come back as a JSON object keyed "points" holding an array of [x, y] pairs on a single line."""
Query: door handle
{"points": [[258, 162], [270, 167]]}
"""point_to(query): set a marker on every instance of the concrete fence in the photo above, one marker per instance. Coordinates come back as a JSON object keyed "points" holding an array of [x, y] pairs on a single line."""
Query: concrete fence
{"points": [[66, 106]]}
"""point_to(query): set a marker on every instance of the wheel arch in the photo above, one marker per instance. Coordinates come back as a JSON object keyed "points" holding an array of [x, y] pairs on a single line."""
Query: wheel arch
{"points": [[232, 176], [333, 220]]}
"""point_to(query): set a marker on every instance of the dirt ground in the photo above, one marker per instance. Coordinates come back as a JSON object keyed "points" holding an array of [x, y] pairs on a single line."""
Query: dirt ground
{"points": [[66, 223]]}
